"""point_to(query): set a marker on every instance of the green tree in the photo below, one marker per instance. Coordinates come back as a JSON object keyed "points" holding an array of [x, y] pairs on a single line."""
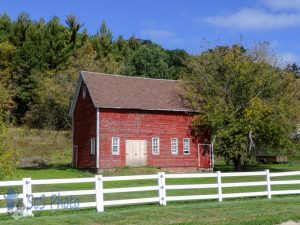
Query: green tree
{"points": [[148, 61], [7, 156], [19, 30], [106, 50], [293, 68], [40, 47], [133, 42], [7, 163], [242, 99], [85, 58], [5, 27], [177, 62], [59, 48], [74, 27], [6, 103], [50, 108], [105, 43], [7, 52]]}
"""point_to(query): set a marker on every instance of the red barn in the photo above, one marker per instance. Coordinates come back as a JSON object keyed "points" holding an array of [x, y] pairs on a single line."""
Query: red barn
{"points": [[134, 121]]}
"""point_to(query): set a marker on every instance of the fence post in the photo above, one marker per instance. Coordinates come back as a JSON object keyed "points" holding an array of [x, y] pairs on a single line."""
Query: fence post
{"points": [[219, 186], [99, 193], [27, 197], [268, 184], [162, 188]]}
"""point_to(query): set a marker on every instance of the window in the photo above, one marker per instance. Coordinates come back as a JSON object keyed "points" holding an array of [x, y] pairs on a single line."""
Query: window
{"points": [[155, 146], [93, 146], [186, 146], [174, 146], [115, 146], [83, 91]]}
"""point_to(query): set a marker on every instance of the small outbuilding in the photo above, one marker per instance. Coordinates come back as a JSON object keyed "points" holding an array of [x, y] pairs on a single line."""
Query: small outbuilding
{"points": [[134, 121]]}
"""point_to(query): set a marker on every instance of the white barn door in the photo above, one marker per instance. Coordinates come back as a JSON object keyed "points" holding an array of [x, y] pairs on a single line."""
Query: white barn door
{"points": [[136, 153]]}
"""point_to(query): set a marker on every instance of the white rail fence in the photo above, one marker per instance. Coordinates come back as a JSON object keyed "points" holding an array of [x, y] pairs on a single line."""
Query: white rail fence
{"points": [[162, 186]]}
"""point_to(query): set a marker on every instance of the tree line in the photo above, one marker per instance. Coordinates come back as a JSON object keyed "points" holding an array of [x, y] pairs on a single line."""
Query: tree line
{"points": [[40, 62]]}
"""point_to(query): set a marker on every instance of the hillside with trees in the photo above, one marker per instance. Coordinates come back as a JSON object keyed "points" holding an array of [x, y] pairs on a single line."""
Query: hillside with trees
{"points": [[40, 62]]}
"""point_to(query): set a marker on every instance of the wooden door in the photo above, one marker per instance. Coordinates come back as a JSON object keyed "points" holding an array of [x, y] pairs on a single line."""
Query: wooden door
{"points": [[136, 153]]}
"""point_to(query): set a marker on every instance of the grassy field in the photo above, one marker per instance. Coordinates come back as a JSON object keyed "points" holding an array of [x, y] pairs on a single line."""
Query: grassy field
{"points": [[54, 148], [234, 212], [41, 146]]}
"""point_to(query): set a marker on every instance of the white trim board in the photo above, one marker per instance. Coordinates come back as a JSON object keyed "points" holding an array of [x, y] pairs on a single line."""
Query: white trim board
{"points": [[75, 96], [98, 138]]}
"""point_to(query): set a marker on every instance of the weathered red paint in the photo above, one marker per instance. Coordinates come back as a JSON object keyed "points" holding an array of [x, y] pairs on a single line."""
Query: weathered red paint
{"points": [[84, 128], [130, 124]]}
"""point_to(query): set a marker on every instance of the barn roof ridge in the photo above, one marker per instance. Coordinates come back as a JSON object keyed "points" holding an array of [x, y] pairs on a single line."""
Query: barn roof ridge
{"points": [[133, 77], [126, 92]]}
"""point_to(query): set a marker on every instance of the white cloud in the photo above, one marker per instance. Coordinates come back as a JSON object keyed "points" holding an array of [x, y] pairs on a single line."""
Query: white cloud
{"points": [[254, 19], [288, 57], [283, 4]]}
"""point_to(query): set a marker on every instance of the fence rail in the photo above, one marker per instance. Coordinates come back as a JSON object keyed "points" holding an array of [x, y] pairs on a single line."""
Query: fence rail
{"points": [[162, 187]]}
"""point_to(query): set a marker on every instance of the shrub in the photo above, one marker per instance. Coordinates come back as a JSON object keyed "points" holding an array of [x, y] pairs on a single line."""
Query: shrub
{"points": [[7, 156]]}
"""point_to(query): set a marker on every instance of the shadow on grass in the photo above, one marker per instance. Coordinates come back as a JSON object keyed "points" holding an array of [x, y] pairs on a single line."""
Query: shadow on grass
{"points": [[257, 167], [151, 170], [51, 166]]}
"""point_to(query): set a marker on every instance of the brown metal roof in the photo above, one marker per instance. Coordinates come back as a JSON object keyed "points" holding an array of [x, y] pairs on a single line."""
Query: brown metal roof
{"points": [[116, 91]]}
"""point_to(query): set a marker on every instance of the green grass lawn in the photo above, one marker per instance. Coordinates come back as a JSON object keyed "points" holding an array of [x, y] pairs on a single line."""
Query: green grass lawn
{"points": [[54, 148], [230, 211], [234, 212]]}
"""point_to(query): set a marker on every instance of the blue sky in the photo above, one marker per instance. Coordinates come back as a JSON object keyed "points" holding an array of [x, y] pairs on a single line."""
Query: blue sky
{"points": [[188, 24]]}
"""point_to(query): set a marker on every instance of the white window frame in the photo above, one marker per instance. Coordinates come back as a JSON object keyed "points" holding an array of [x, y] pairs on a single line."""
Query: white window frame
{"points": [[174, 146], [83, 90], [155, 146], [93, 146], [186, 146], [116, 145]]}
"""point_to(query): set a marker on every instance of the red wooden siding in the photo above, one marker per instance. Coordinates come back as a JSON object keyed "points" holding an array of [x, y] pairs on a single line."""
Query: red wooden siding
{"points": [[143, 125], [84, 128]]}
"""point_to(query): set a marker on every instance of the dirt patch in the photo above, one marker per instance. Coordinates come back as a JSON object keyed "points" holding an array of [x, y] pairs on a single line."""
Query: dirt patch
{"points": [[290, 222], [34, 161]]}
